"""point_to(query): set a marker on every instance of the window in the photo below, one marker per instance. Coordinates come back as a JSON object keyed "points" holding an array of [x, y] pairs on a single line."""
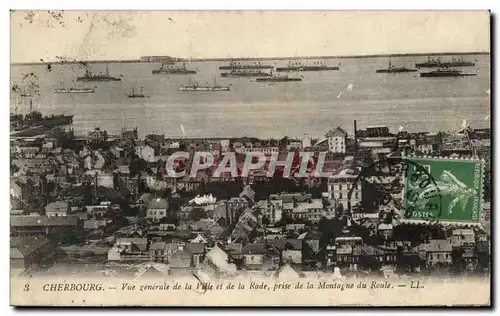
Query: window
{"points": [[430, 256], [356, 195], [340, 195], [438, 256], [340, 186]]}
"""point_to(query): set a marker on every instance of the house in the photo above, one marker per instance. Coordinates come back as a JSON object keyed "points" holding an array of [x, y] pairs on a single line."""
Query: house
{"points": [[180, 262], [171, 248], [57, 209], [253, 255], [28, 225], [271, 209], [93, 224], [337, 140], [132, 244], [157, 209], [385, 230], [366, 256], [291, 249], [217, 264], [437, 251], [463, 238], [199, 239], [312, 210], [29, 252], [157, 251], [145, 152], [342, 184], [197, 251], [344, 254]]}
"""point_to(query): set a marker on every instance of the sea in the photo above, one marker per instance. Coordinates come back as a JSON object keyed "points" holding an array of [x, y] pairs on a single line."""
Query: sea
{"points": [[322, 101]]}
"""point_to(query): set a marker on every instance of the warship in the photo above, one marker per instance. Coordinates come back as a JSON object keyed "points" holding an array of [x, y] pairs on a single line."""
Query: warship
{"points": [[206, 87], [455, 62], [317, 66], [245, 73], [446, 73], [392, 69], [89, 76], [234, 65], [171, 70], [430, 63], [74, 90], [277, 78]]}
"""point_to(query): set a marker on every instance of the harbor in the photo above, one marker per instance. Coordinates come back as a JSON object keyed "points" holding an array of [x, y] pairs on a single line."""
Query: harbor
{"points": [[356, 85]]}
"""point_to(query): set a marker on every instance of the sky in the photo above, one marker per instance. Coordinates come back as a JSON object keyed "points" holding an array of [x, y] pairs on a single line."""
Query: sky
{"points": [[116, 35]]}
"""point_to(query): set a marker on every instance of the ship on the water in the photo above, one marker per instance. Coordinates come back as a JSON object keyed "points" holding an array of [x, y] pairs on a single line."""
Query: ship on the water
{"points": [[436, 63], [277, 78], [246, 73], [236, 65], [392, 69], [458, 62], [316, 66], [89, 76], [446, 73], [136, 95], [430, 63], [207, 87], [74, 90], [172, 70]]}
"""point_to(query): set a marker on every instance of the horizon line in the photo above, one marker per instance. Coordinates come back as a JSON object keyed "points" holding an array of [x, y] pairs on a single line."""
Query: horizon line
{"points": [[179, 59]]}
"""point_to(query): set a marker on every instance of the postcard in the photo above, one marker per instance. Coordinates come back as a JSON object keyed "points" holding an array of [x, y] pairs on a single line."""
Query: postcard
{"points": [[250, 158]]}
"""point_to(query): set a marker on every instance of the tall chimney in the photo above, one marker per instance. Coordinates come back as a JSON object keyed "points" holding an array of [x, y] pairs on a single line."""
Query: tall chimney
{"points": [[355, 137]]}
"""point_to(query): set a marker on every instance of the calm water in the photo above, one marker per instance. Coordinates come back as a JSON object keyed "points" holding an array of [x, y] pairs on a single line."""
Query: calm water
{"points": [[321, 101]]}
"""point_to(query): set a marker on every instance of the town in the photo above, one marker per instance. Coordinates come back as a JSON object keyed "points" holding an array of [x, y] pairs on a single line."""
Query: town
{"points": [[105, 205]]}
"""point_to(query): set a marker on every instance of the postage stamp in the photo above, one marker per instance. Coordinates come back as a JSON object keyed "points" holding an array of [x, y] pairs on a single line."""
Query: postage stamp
{"points": [[456, 197]]}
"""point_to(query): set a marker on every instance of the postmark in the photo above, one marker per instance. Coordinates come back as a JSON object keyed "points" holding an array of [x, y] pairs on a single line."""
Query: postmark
{"points": [[426, 190], [396, 185], [458, 187]]}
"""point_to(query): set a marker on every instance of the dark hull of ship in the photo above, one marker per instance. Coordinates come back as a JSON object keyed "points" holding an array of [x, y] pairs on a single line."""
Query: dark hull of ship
{"points": [[98, 79], [132, 96], [277, 79], [166, 72], [204, 89], [306, 68], [392, 71], [245, 67], [244, 74], [444, 74], [74, 91], [427, 65]]}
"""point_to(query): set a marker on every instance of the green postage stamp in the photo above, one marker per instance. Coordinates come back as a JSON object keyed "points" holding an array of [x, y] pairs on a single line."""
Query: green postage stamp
{"points": [[443, 190]]}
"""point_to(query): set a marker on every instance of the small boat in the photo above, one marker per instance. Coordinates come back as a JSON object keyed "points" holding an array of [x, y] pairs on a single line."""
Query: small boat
{"points": [[136, 95]]}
